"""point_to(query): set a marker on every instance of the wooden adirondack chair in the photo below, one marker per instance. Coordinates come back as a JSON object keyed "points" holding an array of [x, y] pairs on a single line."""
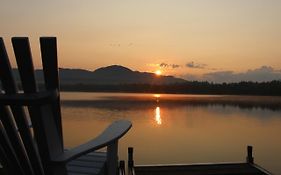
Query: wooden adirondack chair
{"points": [[39, 149]]}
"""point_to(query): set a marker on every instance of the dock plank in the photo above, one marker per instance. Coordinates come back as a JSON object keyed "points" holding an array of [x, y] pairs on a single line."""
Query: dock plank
{"points": [[200, 169]]}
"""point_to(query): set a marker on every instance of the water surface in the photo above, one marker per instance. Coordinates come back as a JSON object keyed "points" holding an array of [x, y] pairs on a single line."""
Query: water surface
{"points": [[180, 128]]}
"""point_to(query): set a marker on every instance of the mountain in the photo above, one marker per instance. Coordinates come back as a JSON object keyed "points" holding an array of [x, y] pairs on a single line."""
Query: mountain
{"points": [[110, 75], [114, 74]]}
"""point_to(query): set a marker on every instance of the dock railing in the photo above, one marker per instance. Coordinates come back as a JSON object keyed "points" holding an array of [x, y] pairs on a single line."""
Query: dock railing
{"points": [[248, 167]]}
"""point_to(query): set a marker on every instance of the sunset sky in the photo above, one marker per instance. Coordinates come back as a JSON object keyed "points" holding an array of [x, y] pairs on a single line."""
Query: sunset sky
{"points": [[214, 40]]}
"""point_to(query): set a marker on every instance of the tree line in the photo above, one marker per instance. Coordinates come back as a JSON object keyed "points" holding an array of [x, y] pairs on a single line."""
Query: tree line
{"points": [[195, 87]]}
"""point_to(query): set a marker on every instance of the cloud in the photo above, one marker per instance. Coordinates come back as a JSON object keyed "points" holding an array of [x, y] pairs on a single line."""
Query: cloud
{"points": [[221, 76], [174, 66], [262, 74], [195, 65], [165, 65]]}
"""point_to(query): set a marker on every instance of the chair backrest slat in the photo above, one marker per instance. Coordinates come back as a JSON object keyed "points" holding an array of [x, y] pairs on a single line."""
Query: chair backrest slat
{"points": [[8, 155], [48, 47], [49, 56], [9, 85], [25, 67], [48, 145], [15, 139], [6, 78]]}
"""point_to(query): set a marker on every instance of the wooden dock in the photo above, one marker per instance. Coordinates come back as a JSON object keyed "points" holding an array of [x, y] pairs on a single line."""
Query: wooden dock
{"points": [[201, 169], [241, 168]]}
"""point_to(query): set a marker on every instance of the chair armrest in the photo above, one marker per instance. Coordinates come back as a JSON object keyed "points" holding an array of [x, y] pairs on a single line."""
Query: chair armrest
{"points": [[37, 98], [111, 134]]}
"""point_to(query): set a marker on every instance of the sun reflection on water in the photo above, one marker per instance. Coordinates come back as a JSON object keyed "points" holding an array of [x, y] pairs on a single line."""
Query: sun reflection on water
{"points": [[157, 96], [158, 116]]}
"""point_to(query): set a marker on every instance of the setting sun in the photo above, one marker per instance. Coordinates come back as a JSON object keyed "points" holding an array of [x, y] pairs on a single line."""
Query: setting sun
{"points": [[158, 72]]}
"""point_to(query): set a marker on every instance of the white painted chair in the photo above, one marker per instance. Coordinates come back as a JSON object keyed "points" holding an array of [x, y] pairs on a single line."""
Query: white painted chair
{"points": [[39, 149]]}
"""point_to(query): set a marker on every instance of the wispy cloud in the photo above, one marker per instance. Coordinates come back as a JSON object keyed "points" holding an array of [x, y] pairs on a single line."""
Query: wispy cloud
{"points": [[165, 65], [196, 65], [264, 73]]}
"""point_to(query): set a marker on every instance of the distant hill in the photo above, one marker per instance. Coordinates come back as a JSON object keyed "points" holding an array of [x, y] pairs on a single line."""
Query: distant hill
{"points": [[117, 78], [110, 75], [114, 74]]}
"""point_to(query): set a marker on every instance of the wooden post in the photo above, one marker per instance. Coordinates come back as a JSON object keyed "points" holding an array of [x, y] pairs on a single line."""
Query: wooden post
{"points": [[130, 157], [121, 167], [112, 158], [131, 170], [250, 158]]}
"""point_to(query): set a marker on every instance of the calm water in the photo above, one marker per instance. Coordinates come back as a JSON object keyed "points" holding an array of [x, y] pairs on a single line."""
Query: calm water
{"points": [[180, 128]]}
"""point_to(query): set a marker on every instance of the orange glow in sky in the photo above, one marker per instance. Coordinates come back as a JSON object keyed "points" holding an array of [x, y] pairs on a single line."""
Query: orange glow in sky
{"points": [[195, 39]]}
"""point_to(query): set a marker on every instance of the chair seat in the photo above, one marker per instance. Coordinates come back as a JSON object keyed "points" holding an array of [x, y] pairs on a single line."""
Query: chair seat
{"points": [[89, 164]]}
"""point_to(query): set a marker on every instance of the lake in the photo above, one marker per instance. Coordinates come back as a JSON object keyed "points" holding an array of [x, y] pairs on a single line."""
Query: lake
{"points": [[180, 128]]}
